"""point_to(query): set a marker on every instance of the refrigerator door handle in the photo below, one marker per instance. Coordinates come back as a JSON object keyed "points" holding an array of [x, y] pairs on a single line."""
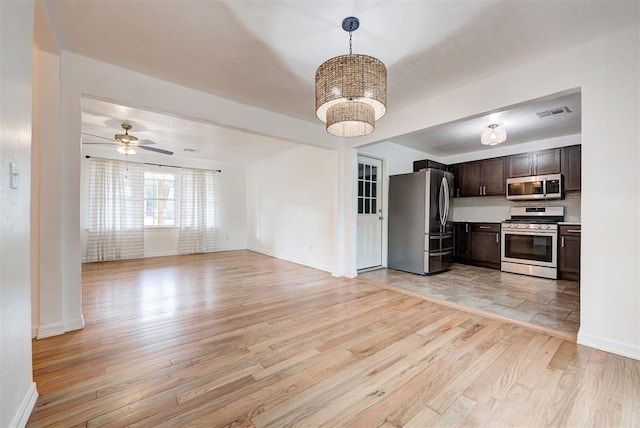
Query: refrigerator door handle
{"points": [[441, 203], [445, 191]]}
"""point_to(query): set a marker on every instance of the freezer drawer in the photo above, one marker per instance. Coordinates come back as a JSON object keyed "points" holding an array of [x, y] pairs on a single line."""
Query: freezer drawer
{"points": [[438, 242], [437, 261]]}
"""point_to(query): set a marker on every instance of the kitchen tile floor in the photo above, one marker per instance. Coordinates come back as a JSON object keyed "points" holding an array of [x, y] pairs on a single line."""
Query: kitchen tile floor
{"points": [[552, 304]]}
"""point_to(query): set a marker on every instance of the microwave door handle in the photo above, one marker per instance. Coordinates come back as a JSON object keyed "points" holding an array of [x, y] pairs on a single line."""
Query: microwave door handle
{"points": [[544, 186]]}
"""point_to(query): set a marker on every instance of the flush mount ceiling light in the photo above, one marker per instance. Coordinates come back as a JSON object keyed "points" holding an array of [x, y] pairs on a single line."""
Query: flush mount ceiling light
{"points": [[494, 135], [351, 91]]}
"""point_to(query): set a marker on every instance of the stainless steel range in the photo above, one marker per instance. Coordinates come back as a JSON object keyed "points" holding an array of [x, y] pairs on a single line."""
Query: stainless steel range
{"points": [[530, 241]]}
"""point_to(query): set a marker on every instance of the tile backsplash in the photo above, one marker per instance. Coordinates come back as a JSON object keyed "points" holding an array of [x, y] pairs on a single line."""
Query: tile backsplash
{"points": [[496, 208]]}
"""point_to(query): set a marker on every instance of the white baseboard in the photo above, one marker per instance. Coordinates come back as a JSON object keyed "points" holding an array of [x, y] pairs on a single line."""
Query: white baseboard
{"points": [[610, 345], [292, 259], [74, 324], [50, 330], [34, 331], [23, 412], [232, 248], [58, 328]]}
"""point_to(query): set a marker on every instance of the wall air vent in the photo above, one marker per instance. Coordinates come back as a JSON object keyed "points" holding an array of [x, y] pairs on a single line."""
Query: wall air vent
{"points": [[553, 112], [186, 149]]}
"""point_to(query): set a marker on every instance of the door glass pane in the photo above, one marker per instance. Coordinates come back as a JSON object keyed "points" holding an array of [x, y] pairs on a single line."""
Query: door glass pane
{"points": [[374, 210], [367, 189], [367, 172], [360, 206], [360, 188], [367, 206], [374, 173], [360, 171], [374, 189]]}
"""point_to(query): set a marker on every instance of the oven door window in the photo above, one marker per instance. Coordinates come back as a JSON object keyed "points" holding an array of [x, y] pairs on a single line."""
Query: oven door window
{"points": [[538, 248]]}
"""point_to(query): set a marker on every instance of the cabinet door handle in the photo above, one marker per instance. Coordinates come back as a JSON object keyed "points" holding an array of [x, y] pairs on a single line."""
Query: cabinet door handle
{"points": [[497, 238], [480, 190], [484, 190], [466, 227], [562, 242], [485, 227], [573, 230]]}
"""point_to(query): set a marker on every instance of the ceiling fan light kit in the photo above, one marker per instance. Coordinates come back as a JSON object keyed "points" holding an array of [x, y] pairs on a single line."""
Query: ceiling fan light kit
{"points": [[351, 91], [493, 135], [126, 138], [126, 150]]}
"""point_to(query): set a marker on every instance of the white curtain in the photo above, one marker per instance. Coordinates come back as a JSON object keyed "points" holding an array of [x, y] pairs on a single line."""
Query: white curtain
{"points": [[116, 208], [199, 228]]}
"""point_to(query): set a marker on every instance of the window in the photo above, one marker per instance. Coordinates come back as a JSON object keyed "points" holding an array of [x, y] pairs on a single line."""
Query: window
{"points": [[367, 189], [159, 199]]}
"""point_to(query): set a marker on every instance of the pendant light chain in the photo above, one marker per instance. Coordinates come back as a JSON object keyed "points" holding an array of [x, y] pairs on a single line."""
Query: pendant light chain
{"points": [[350, 43]]}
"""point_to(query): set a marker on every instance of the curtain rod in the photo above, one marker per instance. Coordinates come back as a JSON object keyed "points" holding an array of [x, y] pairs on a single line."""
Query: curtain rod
{"points": [[158, 164]]}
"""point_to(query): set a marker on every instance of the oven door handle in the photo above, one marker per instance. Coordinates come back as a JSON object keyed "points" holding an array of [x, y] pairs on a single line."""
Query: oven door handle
{"points": [[532, 233]]}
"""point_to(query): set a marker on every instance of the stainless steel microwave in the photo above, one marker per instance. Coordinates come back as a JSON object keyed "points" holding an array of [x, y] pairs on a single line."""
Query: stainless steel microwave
{"points": [[535, 187]]}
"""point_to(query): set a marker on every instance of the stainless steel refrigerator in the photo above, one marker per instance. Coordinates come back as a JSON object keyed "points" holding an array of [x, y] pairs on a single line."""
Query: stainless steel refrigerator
{"points": [[420, 232]]}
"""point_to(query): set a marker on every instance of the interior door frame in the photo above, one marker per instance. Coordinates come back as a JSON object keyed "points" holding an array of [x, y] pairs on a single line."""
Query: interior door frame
{"points": [[383, 192]]}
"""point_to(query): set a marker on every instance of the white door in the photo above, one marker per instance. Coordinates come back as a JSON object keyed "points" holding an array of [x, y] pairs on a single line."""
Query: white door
{"points": [[369, 223]]}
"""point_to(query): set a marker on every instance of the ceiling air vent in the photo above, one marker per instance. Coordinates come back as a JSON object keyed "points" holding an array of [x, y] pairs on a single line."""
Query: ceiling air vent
{"points": [[553, 112], [186, 149]]}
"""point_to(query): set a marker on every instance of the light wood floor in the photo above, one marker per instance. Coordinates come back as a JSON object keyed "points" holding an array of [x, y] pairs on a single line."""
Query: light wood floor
{"points": [[241, 339]]}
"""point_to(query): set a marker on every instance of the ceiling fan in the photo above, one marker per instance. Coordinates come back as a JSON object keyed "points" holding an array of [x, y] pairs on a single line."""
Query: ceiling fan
{"points": [[128, 143]]}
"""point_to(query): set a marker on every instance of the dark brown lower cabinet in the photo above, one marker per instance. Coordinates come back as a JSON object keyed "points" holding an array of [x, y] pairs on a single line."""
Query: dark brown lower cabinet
{"points": [[485, 244], [569, 253], [461, 237], [477, 244]]}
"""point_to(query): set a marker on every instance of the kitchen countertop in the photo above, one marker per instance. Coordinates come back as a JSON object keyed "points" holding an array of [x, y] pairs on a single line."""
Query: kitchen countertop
{"points": [[569, 223]]}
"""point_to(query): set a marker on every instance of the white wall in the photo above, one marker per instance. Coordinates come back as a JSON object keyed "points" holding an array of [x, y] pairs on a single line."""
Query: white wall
{"points": [[399, 158], [606, 70], [291, 206], [17, 390]]}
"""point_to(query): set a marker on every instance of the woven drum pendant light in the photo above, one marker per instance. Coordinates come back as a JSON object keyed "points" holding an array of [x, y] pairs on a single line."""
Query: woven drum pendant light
{"points": [[351, 91]]}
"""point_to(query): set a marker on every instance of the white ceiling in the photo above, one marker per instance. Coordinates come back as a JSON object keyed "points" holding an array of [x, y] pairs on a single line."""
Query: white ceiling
{"points": [[521, 123], [265, 53], [172, 133]]}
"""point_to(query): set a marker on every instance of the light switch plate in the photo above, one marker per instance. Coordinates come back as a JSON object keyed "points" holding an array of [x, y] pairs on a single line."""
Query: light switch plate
{"points": [[14, 175]]}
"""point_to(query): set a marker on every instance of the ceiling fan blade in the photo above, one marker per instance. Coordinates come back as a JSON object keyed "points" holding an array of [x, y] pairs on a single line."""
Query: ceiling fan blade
{"points": [[142, 142], [157, 150], [97, 136], [105, 143]]}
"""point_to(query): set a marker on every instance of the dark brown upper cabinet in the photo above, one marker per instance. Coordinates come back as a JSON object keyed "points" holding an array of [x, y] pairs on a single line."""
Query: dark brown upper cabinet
{"points": [[534, 163], [572, 167], [484, 178]]}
